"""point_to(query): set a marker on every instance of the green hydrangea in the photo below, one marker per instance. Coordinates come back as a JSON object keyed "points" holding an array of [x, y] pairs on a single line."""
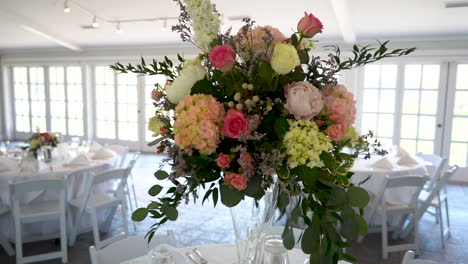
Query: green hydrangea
{"points": [[304, 143]]}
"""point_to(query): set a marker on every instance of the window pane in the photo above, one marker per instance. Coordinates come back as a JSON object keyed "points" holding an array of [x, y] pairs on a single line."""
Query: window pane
{"points": [[409, 126], [458, 153], [38, 105], [428, 102], [387, 101], [408, 145], [369, 122], [370, 100], [20, 86], [105, 102], [426, 147], [459, 128], [431, 75], [461, 103], [385, 125], [411, 102], [388, 76], [427, 126], [413, 76], [462, 76], [371, 76]]}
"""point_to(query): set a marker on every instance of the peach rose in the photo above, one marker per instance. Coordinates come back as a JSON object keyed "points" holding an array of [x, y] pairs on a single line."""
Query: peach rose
{"points": [[223, 161], [229, 176], [336, 132], [234, 123], [239, 182], [247, 160], [223, 57], [309, 25]]}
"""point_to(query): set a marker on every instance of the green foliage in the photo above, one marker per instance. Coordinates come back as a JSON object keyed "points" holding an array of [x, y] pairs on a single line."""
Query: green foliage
{"points": [[139, 214], [165, 67], [155, 190], [161, 175], [230, 197]]}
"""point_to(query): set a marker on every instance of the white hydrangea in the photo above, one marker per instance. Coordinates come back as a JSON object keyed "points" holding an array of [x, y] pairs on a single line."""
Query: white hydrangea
{"points": [[205, 22]]}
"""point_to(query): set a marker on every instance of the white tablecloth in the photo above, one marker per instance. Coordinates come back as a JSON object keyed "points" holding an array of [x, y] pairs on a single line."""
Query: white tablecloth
{"points": [[57, 169], [224, 254], [363, 169]]}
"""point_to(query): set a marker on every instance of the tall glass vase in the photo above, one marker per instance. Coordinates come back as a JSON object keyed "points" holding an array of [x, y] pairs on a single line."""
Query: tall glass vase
{"points": [[251, 221]]}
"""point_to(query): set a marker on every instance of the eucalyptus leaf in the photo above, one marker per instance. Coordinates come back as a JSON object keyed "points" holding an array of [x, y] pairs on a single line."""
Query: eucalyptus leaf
{"points": [[230, 197], [140, 214], [161, 175], [288, 238], [358, 196], [171, 213], [155, 190]]}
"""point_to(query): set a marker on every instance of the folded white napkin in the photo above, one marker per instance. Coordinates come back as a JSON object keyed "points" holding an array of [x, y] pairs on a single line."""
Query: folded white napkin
{"points": [[401, 152], [103, 153], [407, 160], [80, 160], [7, 164], [383, 163], [95, 146]]}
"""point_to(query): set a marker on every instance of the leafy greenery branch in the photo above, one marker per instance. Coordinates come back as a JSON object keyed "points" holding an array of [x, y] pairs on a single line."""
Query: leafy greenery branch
{"points": [[165, 67]]}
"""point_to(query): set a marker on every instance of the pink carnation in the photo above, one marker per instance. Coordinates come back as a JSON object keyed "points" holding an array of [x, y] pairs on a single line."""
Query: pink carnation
{"points": [[253, 41], [340, 105], [223, 57], [336, 132], [235, 124]]}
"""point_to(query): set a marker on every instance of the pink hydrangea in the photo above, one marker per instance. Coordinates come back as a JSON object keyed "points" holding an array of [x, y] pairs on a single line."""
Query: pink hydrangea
{"points": [[253, 42], [340, 105], [198, 123]]}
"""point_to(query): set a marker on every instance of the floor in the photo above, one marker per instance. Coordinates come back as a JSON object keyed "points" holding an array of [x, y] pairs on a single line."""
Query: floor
{"points": [[199, 225]]}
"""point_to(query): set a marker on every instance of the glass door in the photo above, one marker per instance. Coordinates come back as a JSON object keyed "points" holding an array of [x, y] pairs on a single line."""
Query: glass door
{"points": [[422, 109]]}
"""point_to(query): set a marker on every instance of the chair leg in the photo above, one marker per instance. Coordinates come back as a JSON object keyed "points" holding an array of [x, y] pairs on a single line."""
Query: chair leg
{"points": [[7, 246], [437, 210], [416, 234], [94, 223], [384, 235], [129, 196], [63, 238], [447, 215], [125, 216], [441, 223], [18, 241]]}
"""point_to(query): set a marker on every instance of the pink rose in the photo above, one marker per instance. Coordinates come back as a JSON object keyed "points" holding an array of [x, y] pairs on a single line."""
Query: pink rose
{"points": [[246, 160], [223, 57], [223, 161], [340, 105], [303, 100], [154, 94], [309, 25], [234, 123], [239, 182], [336, 132], [229, 176]]}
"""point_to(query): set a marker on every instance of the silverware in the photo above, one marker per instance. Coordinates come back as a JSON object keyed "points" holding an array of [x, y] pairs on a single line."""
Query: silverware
{"points": [[191, 257]]}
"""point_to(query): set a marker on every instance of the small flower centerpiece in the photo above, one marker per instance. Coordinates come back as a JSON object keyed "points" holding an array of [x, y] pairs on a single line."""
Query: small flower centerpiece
{"points": [[43, 141], [256, 110]]}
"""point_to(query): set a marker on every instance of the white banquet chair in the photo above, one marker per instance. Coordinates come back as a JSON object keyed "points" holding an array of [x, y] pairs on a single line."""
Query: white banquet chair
{"points": [[39, 212], [94, 200], [128, 248], [434, 198], [130, 185], [121, 151], [409, 258], [3, 240], [385, 209]]}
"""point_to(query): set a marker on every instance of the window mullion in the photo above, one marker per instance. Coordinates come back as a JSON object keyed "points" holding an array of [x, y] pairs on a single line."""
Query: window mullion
{"points": [[29, 100], [47, 99], [399, 104], [116, 106], [65, 92]]}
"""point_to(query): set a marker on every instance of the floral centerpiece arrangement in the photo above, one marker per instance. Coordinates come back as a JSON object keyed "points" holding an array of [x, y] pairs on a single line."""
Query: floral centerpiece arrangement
{"points": [[257, 109], [39, 140]]}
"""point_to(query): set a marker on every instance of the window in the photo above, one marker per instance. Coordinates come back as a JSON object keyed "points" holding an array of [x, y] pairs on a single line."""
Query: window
{"points": [[66, 100], [419, 109], [116, 105], [459, 135], [150, 82], [378, 103], [64, 92]]}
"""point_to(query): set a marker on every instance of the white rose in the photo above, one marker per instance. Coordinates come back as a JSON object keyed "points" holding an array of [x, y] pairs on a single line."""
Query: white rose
{"points": [[191, 73]]}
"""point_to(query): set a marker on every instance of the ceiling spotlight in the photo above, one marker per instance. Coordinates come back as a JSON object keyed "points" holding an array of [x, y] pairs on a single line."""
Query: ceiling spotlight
{"points": [[118, 28], [164, 28], [95, 23], [66, 7]]}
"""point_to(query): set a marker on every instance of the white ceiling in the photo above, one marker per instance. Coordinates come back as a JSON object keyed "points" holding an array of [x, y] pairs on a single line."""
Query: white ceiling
{"points": [[364, 19]]}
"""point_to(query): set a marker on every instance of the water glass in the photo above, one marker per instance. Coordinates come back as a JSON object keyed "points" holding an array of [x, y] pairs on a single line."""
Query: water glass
{"points": [[163, 254], [274, 251]]}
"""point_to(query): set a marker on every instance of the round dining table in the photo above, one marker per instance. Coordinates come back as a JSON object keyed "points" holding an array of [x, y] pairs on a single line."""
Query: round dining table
{"points": [[58, 168], [220, 254]]}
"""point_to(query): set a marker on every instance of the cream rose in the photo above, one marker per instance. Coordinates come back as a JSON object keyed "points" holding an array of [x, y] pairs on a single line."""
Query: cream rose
{"points": [[303, 100], [284, 59], [180, 89]]}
